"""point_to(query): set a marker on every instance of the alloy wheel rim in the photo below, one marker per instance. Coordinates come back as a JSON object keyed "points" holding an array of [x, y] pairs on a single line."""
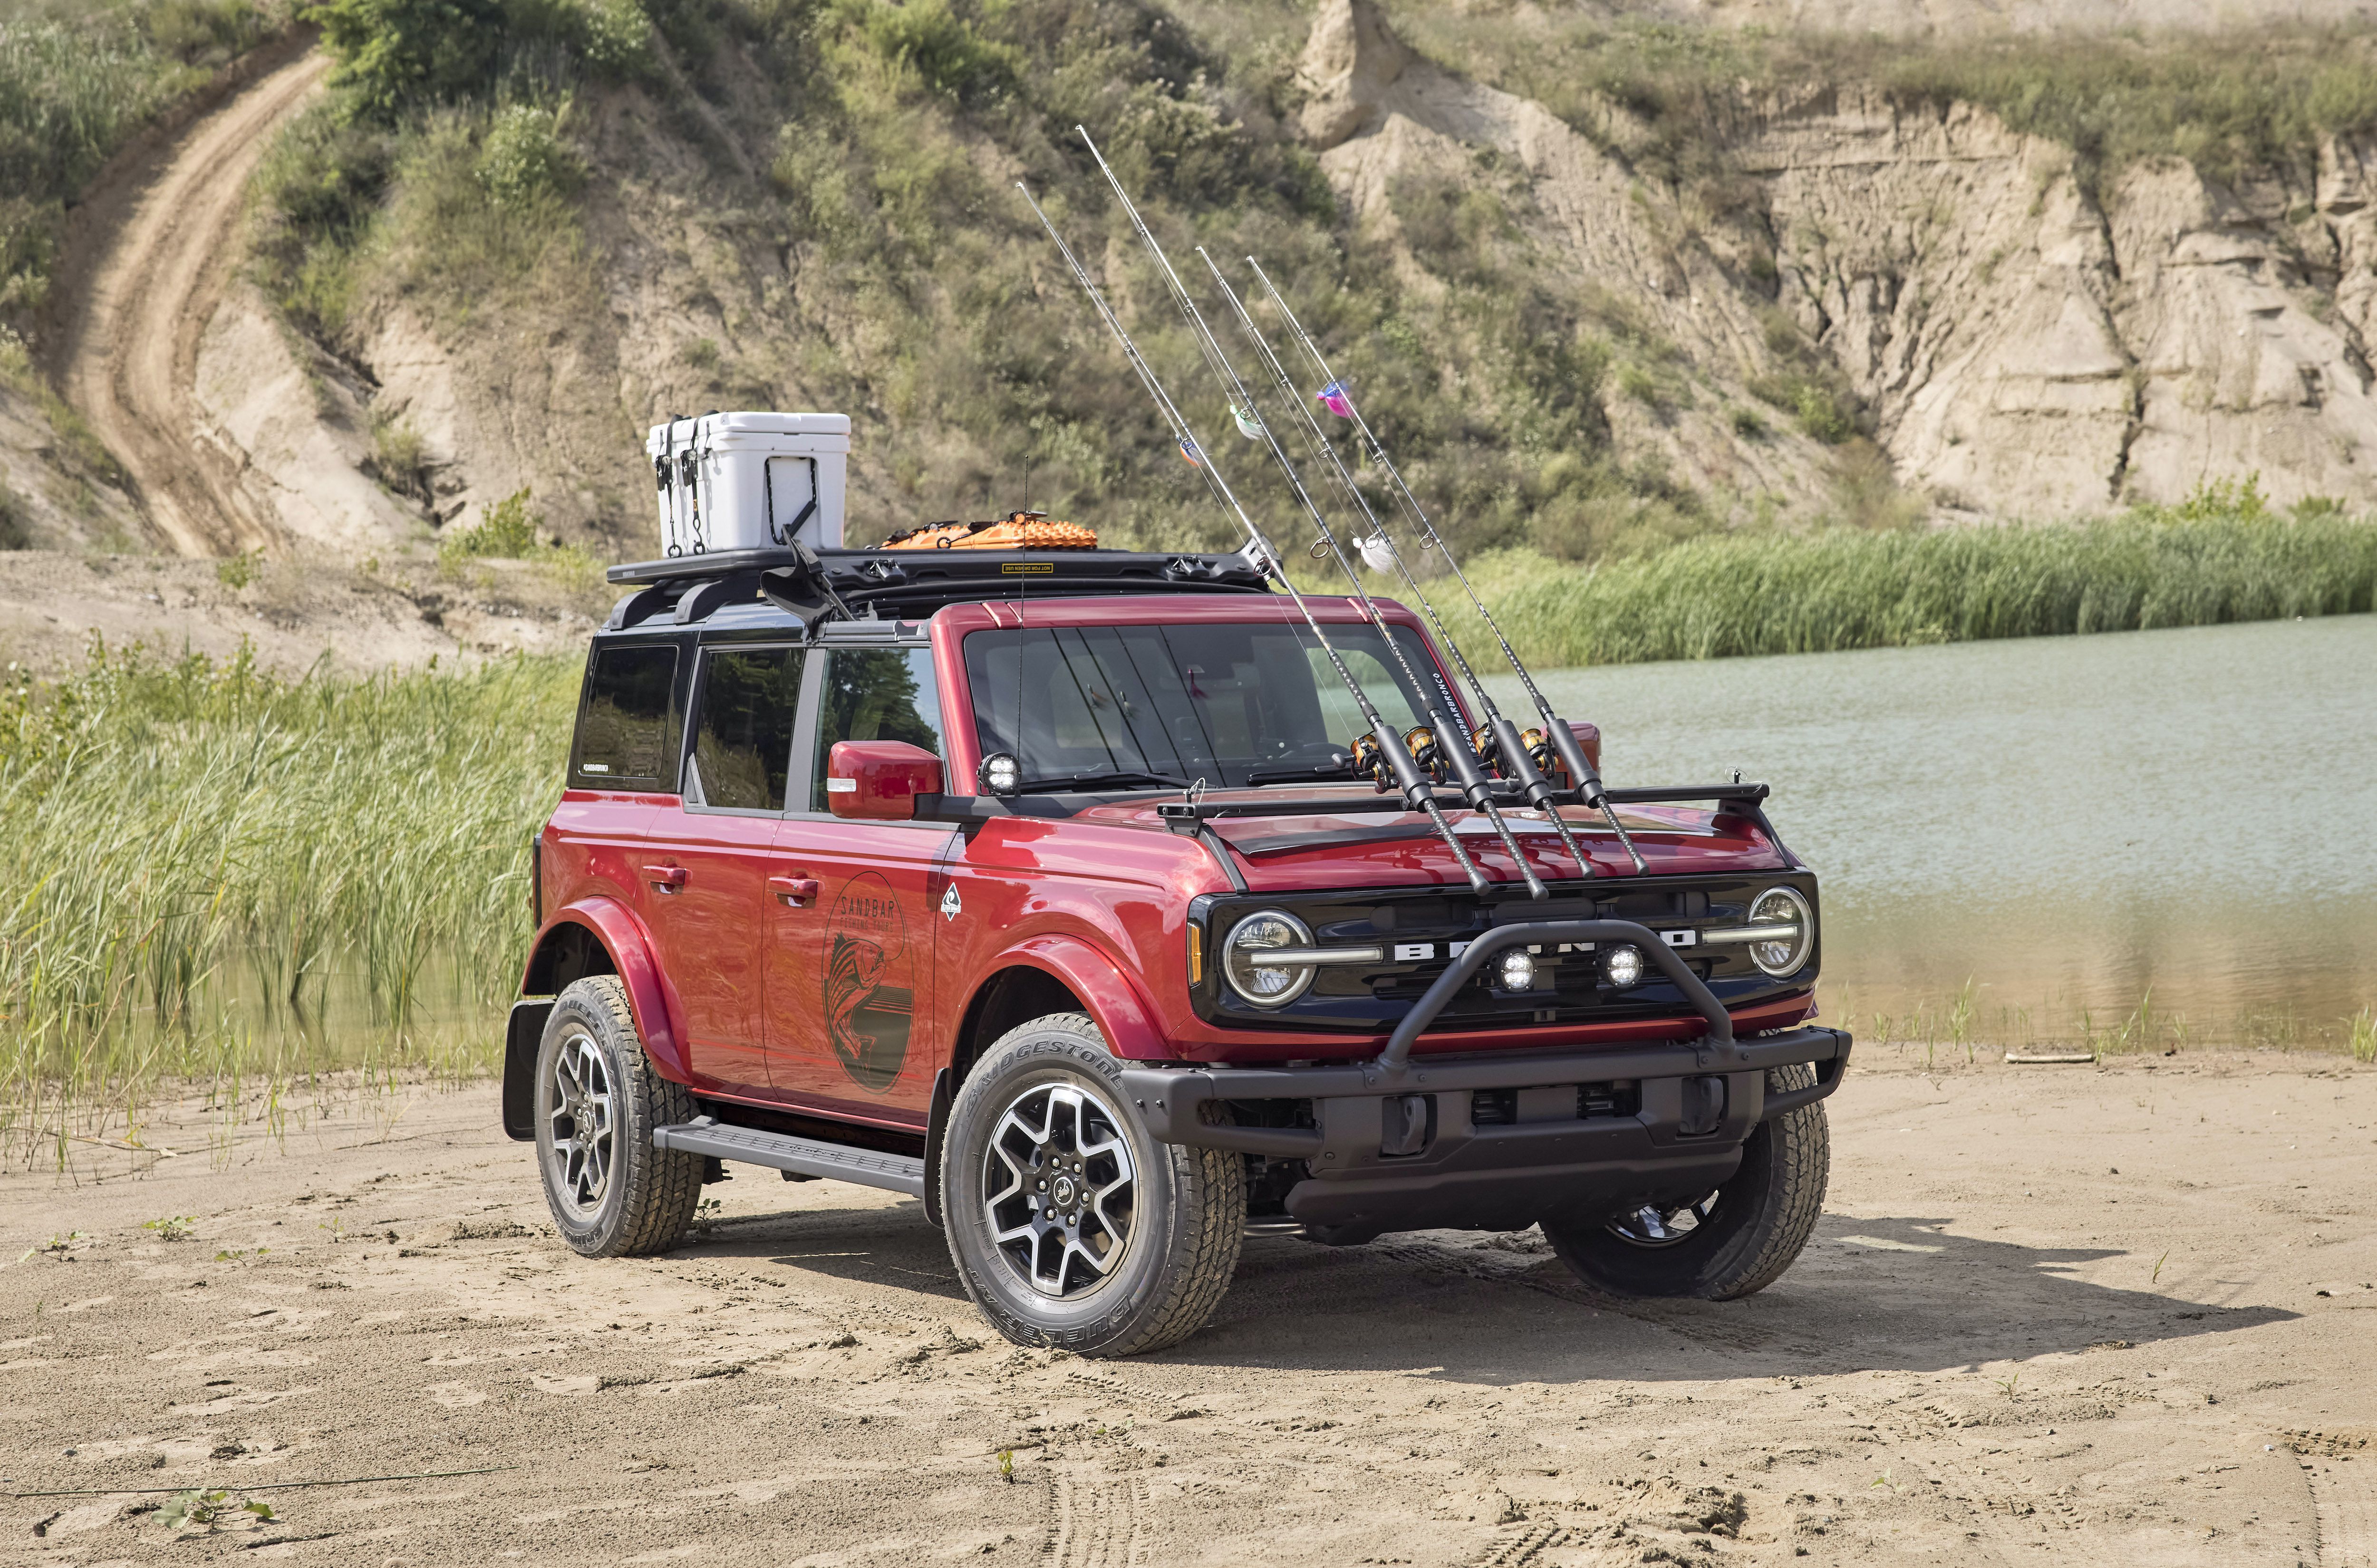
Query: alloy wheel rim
{"points": [[1061, 1189], [585, 1132], [1652, 1225]]}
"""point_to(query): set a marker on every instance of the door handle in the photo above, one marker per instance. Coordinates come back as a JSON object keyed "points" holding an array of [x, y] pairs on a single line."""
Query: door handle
{"points": [[669, 879], [799, 892]]}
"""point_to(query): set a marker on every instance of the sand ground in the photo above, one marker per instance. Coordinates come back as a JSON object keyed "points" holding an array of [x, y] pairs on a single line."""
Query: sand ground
{"points": [[2051, 1314]]}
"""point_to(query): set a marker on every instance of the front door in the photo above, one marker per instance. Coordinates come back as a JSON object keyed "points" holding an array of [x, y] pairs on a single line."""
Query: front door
{"points": [[709, 862], [852, 1005]]}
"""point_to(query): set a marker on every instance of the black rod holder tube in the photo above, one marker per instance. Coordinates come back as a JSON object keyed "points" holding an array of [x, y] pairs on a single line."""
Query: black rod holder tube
{"points": [[1534, 932]]}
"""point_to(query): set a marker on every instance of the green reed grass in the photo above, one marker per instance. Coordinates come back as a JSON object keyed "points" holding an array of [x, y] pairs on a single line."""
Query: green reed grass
{"points": [[205, 856], [1770, 593]]}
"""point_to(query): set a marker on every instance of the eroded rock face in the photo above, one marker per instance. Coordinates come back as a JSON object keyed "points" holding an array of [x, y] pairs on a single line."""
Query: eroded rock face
{"points": [[1349, 61], [2023, 346]]}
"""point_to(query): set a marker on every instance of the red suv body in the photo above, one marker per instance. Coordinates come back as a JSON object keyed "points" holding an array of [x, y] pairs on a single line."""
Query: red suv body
{"points": [[774, 846]]}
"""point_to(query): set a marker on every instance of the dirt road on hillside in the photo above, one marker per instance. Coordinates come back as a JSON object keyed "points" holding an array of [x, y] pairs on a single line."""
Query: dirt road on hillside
{"points": [[2053, 1315], [154, 266]]}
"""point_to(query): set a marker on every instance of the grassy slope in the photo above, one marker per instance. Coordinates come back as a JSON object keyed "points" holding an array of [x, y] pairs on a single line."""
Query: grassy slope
{"points": [[924, 299], [75, 83]]}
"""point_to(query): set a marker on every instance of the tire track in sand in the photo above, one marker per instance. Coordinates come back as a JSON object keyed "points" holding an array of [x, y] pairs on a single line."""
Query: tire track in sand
{"points": [[1097, 1522], [131, 348]]}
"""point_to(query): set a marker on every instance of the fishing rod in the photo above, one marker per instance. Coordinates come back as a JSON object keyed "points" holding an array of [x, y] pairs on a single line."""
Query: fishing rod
{"points": [[1530, 779], [1507, 739], [1417, 789], [1447, 744], [1427, 745]]}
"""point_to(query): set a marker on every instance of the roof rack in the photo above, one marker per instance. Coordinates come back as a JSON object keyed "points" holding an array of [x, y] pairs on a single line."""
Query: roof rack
{"points": [[815, 584]]}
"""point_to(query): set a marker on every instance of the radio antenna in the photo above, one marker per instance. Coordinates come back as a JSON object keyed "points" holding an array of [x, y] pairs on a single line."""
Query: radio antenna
{"points": [[1507, 740], [1418, 792]]}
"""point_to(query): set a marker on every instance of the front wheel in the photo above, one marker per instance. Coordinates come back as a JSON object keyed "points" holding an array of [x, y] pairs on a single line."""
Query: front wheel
{"points": [[1070, 1225], [1726, 1245]]}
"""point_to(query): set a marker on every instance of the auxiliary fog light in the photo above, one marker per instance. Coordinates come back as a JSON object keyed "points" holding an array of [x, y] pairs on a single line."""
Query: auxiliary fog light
{"points": [[1622, 966], [1000, 774], [1250, 941], [1515, 970]]}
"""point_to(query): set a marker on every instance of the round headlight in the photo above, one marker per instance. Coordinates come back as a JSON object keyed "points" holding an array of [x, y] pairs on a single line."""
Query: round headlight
{"points": [[1794, 933], [1000, 774], [1622, 965], [1266, 985], [1515, 970]]}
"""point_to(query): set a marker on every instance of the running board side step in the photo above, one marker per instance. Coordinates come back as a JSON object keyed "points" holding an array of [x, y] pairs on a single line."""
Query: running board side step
{"points": [[805, 1157]]}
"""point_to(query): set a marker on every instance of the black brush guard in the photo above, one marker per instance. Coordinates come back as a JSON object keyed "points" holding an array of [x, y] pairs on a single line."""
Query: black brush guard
{"points": [[1394, 1145]]}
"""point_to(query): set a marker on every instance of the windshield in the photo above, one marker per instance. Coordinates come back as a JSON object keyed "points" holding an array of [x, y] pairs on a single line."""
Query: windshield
{"points": [[1158, 706]]}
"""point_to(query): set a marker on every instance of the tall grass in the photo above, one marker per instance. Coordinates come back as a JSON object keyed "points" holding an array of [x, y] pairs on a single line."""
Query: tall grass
{"points": [[1755, 593], [203, 857]]}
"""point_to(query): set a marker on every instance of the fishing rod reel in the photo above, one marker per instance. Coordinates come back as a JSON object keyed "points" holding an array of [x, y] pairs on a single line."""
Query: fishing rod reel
{"points": [[1535, 743], [1420, 740]]}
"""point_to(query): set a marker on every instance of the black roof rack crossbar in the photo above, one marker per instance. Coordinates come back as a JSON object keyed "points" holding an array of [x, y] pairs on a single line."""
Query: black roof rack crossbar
{"points": [[814, 584]]}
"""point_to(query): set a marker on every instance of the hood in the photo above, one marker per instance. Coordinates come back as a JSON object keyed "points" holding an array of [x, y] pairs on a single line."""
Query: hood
{"points": [[1327, 850]]}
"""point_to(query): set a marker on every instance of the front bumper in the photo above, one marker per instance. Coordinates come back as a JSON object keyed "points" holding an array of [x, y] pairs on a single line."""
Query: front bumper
{"points": [[1395, 1144]]}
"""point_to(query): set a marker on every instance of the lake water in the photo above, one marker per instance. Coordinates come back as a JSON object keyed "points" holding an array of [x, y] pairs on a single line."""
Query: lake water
{"points": [[2068, 824]]}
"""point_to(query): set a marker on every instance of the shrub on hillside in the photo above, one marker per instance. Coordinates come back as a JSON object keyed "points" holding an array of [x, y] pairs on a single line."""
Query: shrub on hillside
{"points": [[399, 55], [524, 158]]}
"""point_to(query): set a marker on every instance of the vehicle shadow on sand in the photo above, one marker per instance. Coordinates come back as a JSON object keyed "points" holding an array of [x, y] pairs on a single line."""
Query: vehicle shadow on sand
{"points": [[1880, 1294]]}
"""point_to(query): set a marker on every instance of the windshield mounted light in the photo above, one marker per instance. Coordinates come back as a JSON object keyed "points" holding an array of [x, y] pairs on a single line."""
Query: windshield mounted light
{"points": [[1000, 774], [1264, 984], [1622, 965], [1794, 931]]}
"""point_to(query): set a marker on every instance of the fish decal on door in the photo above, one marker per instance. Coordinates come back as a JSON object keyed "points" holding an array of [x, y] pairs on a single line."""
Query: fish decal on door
{"points": [[869, 983]]}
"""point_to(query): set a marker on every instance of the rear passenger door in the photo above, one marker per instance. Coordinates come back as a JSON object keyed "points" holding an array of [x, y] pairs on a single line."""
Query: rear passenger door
{"points": [[710, 900], [851, 1000]]}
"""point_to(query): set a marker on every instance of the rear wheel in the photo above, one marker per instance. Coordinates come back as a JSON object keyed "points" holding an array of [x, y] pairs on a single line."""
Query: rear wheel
{"points": [[1070, 1225], [1724, 1244], [612, 1194]]}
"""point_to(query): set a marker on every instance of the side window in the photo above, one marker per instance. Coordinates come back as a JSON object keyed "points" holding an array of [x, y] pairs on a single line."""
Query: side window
{"points": [[743, 726], [875, 694], [623, 732]]}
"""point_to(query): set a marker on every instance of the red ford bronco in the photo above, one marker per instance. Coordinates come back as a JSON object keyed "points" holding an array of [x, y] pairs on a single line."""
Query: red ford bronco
{"points": [[1038, 885]]}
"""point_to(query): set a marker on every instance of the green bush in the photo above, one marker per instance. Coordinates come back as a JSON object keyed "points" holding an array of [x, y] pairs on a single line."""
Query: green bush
{"points": [[524, 159], [507, 529], [396, 55], [616, 38]]}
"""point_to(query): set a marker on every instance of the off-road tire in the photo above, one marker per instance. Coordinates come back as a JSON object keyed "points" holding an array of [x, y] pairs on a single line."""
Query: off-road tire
{"points": [[1185, 1229], [1764, 1213], [650, 1197]]}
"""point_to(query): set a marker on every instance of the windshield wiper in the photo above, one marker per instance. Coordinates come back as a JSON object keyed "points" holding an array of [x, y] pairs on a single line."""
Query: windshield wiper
{"points": [[1098, 780], [1320, 773]]}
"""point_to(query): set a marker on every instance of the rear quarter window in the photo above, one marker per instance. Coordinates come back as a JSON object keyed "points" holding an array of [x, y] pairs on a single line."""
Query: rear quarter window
{"points": [[626, 725]]}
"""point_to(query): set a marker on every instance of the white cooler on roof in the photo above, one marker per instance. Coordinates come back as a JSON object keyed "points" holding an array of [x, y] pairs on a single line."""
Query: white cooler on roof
{"points": [[749, 480]]}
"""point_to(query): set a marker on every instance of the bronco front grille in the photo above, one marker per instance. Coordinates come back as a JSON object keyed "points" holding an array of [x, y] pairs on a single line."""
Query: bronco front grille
{"points": [[1418, 931]]}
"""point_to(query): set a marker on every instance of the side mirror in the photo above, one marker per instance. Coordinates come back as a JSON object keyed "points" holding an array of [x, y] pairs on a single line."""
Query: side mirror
{"points": [[1588, 740], [879, 778]]}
